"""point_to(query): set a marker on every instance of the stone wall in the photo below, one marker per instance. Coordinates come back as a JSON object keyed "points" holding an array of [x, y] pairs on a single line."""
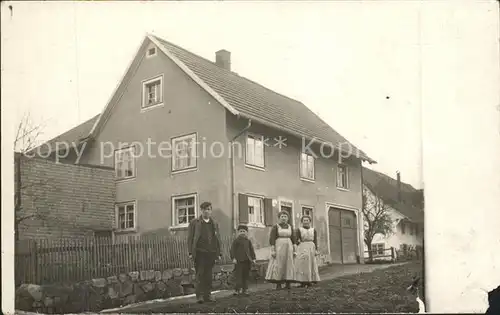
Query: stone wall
{"points": [[123, 289], [49, 196]]}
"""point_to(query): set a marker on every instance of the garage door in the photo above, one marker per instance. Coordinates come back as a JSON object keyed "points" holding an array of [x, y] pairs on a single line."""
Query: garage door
{"points": [[343, 235]]}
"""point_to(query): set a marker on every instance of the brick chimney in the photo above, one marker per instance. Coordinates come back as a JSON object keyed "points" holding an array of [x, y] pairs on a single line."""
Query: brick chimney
{"points": [[223, 59], [398, 176]]}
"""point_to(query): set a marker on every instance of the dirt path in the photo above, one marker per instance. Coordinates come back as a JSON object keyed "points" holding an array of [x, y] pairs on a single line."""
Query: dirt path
{"points": [[326, 273]]}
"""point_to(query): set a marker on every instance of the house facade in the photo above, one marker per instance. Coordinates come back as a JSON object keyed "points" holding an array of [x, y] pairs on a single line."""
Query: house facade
{"points": [[180, 130], [405, 208]]}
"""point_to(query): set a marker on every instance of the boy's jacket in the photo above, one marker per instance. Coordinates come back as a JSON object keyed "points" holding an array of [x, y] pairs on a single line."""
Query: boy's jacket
{"points": [[242, 249]]}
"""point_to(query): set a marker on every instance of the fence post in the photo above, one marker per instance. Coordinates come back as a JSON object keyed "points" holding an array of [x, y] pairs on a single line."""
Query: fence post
{"points": [[393, 256]]}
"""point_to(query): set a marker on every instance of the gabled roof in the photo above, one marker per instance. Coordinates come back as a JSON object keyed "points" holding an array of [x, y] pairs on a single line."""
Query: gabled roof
{"points": [[259, 103], [386, 188], [71, 137], [242, 97]]}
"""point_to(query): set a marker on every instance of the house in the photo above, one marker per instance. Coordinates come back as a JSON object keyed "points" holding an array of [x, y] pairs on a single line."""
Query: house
{"points": [[405, 205], [180, 129], [54, 200]]}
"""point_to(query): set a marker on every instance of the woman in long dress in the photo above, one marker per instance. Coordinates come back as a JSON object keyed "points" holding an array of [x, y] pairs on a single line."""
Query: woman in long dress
{"points": [[306, 266], [282, 238]]}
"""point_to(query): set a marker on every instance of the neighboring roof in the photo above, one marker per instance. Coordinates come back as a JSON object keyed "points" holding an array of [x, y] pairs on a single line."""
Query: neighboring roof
{"points": [[259, 103], [238, 95], [71, 137], [386, 188]]}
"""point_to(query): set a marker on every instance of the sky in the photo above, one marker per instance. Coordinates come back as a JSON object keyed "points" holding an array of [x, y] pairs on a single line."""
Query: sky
{"points": [[355, 65]]}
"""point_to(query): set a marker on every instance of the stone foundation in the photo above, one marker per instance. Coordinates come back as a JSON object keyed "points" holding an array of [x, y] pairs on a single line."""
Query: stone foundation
{"points": [[119, 290]]}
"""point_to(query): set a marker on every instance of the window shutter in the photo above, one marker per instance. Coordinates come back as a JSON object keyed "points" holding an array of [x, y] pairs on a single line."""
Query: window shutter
{"points": [[268, 212], [243, 208]]}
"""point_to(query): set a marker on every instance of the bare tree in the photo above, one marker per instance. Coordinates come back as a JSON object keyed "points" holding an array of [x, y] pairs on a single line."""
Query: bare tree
{"points": [[27, 135], [377, 219], [34, 195]]}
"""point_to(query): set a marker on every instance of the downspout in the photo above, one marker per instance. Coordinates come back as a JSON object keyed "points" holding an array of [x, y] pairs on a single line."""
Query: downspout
{"points": [[233, 184]]}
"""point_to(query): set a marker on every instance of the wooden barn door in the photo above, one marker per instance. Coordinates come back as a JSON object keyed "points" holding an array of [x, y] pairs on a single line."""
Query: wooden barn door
{"points": [[343, 235]]}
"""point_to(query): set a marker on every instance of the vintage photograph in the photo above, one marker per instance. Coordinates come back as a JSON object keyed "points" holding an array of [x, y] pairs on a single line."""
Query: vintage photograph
{"points": [[228, 159]]}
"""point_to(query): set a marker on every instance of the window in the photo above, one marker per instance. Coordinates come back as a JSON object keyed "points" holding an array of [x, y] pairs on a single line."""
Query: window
{"points": [[125, 163], [255, 150], [411, 229], [378, 249], [403, 228], [184, 153], [306, 166], [342, 177], [152, 92], [346, 222], [184, 210], [125, 216], [151, 52], [255, 210]]}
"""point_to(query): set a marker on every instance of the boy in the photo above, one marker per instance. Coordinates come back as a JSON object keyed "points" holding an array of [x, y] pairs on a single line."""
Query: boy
{"points": [[243, 255]]}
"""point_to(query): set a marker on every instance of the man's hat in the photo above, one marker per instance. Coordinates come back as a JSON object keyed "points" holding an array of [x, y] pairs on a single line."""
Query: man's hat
{"points": [[242, 227], [205, 205]]}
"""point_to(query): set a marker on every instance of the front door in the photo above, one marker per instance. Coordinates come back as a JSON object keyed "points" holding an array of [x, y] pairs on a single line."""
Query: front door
{"points": [[288, 209]]}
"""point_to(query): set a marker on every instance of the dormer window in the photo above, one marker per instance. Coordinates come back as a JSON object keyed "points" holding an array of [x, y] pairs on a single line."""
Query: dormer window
{"points": [[152, 92], [151, 52]]}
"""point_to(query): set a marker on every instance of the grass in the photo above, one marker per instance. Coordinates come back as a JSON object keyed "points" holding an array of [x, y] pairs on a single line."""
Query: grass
{"points": [[380, 291]]}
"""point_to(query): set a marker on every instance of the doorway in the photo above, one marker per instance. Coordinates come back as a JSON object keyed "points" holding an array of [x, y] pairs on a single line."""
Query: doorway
{"points": [[343, 235], [287, 206]]}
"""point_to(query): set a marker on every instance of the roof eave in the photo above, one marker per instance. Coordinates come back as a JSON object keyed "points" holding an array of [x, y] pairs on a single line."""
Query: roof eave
{"points": [[102, 117], [78, 143], [319, 140], [392, 206]]}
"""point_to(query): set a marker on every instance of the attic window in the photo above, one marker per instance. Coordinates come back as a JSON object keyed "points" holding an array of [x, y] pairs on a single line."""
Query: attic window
{"points": [[152, 92], [151, 52]]}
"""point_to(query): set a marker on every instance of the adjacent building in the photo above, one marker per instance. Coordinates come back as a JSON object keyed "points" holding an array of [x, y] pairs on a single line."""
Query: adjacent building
{"points": [[405, 205]]}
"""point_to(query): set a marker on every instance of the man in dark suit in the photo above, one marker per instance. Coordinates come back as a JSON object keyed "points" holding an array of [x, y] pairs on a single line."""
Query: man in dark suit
{"points": [[204, 250]]}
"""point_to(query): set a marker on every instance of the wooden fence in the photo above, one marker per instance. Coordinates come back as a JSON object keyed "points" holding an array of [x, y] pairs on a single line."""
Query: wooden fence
{"points": [[68, 260], [387, 254], [405, 253]]}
